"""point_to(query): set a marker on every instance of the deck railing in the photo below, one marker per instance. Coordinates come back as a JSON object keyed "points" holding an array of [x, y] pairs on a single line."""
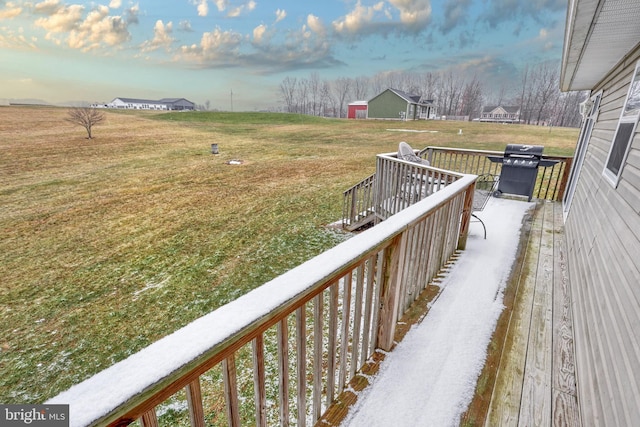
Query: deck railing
{"points": [[280, 354], [400, 183], [359, 206], [550, 183]]}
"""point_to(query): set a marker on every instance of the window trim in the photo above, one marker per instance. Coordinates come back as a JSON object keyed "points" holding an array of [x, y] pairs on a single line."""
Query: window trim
{"points": [[580, 154], [625, 119]]}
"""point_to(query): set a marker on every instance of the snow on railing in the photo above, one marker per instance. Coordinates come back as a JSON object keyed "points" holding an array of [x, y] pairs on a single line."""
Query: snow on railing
{"points": [[280, 354]]}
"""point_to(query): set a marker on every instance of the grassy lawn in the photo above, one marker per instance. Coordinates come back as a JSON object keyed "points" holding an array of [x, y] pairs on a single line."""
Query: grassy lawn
{"points": [[112, 243]]}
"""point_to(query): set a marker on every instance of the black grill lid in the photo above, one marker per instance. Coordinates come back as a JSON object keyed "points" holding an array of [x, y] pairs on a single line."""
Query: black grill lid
{"points": [[523, 150]]}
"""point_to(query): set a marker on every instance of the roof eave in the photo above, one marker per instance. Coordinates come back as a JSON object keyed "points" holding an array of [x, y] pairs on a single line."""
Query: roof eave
{"points": [[588, 56]]}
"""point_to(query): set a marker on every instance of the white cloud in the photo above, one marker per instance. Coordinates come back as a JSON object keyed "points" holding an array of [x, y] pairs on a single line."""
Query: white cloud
{"points": [[98, 29], [316, 25], [47, 7], [237, 11], [358, 19], [9, 38], [131, 14], [392, 16], [61, 18], [161, 37], [203, 8], [185, 25], [280, 15], [259, 32], [221, 4], [11, 11], [115, 4], [215, 46], [414, 13], [220, 40]]}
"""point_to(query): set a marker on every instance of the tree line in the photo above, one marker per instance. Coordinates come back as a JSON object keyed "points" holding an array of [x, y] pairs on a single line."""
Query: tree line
{"points": [[537, 94]]}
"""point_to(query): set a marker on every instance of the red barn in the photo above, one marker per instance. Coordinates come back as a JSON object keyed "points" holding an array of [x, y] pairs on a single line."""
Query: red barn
{"points": [[357, 110]]}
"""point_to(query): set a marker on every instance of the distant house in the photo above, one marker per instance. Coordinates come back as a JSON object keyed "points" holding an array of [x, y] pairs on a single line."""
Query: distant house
{"points": [[357, 110], [164, 104], [398, 105], [602, 208], [500, 114]]}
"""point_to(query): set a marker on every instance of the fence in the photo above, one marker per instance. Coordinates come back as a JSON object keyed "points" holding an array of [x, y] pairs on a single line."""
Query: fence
{"points": [[280, 354]]}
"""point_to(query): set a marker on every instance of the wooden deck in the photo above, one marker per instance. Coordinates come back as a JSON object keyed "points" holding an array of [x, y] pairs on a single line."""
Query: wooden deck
{"points": [[535, 384], [531, 381]]}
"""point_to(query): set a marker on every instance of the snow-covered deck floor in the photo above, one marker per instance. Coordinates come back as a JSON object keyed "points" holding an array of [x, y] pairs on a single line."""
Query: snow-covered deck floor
{"points": [[429, 379]]}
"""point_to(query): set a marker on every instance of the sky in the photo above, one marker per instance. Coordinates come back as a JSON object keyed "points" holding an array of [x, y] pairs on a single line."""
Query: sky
{"points": [[236, 53]]}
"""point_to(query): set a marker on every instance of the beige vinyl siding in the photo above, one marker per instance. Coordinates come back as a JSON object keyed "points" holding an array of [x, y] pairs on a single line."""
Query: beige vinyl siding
{"points": [[603, 239]]}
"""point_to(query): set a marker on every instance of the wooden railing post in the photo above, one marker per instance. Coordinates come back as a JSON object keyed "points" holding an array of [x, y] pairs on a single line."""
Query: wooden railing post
{"points": [[466, 217], [390, 296], [231, 390], [149, 419], [194, 400], [565, 178]]}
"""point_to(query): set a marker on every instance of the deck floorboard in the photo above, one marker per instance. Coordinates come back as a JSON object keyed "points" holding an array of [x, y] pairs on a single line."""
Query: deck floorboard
{"points": [[535, 381], [547, 370]]}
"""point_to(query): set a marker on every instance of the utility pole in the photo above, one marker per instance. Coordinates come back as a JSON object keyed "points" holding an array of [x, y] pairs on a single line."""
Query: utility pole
{"points": [[232, 100]]}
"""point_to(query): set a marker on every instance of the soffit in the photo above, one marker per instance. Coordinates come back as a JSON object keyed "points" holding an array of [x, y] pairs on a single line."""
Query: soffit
{"points": [[599, 33]]}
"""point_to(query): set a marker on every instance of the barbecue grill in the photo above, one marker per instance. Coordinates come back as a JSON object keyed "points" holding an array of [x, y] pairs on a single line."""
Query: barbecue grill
{"points": [[520, 169]]}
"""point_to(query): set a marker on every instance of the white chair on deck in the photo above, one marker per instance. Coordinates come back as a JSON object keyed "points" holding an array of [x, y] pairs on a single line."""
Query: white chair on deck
{"points": [[405, 152], [417, 186]]}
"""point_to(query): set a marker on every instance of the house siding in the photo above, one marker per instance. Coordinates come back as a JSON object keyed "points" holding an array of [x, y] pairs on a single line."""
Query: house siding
{"points": [[387, 105], [603, 238]]}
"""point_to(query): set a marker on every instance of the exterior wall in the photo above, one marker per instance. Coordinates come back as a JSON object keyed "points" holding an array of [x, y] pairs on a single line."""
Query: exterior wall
{"points": [[143, 104], [387, 105], [354, 109], [603, 239], [149, 105], [182, 104]]}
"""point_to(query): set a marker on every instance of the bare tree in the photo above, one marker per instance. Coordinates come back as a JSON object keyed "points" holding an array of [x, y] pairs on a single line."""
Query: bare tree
{"points": [[360, 88], [450, 96], [546, 91], [314, 85], [341, 88], [288, 91], [471, 98], [429, 82], [87, 117]]}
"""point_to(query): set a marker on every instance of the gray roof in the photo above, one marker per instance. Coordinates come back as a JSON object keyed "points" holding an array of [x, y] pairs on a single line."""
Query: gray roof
{"points": [[513, 109], [151, 101], [413, 99]]}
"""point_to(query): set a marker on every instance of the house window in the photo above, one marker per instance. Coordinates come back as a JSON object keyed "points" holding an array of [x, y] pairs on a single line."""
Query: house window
{"points": [[625, 131], [590, 116]]}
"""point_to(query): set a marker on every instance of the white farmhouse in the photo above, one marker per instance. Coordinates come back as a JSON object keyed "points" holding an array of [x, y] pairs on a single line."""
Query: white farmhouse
{"points": [[164, 104]]}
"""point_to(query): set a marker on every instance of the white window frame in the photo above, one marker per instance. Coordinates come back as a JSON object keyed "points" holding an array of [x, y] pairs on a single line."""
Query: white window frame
{"points": [[628, 117], [588, 123]]}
